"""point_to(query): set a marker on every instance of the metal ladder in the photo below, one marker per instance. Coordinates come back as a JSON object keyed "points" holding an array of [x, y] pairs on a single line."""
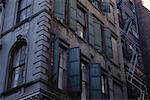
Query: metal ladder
{"points": [[134, 58], [133, 63]]}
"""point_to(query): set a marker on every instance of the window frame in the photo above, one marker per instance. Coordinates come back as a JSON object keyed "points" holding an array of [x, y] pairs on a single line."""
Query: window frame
{"points": [[20, 10], [11, 69], [84, 26], [63, 68], [1, 16]]}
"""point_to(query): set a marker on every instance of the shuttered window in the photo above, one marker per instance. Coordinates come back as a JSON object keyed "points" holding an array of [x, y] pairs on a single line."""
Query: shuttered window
{"points": [[95, 32], [107, 42], [80, 22], [74, 70], [59, 9], [95, 81], [77, 18], [72, 14]]}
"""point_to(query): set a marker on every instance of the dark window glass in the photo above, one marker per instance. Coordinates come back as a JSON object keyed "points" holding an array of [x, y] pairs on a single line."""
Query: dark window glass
{"points": [[17, 65], [80, 22]]}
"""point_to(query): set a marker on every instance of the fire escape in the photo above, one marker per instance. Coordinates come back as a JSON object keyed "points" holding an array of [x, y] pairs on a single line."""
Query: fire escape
{"points": [[132, 78]]}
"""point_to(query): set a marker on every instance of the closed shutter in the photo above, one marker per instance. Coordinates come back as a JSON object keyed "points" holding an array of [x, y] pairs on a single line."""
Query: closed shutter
{"points": [[72, 14], [97, 35], [55, 67], [108, 43], [94, 31], [74, 70], [59, 8], [91, 29], [106, 6], [95, 81]]}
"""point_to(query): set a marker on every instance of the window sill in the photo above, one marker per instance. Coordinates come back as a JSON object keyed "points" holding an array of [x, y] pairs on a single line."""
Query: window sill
{"points": [[21, 23], [80, 38], [12, 90], [60, 22], [98, 9], [115, 64], [111, 22]]}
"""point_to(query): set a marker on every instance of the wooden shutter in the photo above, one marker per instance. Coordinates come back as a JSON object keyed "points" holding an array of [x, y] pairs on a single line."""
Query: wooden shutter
{"points": [[91, 29], [106, 6], [97, 35], [59, 8], [55, 67], [95, 81], [74, 70], [108, 43], [72, 14]]}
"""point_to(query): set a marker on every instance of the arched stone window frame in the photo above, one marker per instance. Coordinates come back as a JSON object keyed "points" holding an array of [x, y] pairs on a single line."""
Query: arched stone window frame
{"points": [[19, 46]]}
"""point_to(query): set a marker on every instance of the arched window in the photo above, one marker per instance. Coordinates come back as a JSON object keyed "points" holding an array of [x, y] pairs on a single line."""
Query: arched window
{"points": [[17, 65]]}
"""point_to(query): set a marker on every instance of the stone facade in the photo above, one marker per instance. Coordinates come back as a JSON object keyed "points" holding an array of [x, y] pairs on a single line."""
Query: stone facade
{"points": [[38, 31]]}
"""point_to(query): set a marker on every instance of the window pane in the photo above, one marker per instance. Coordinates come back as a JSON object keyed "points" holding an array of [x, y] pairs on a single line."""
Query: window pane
{"points": [[16, 77], [24, 10], [29, 12], [62, 69], [80, 30], [16, 58], [17, 67], [23, 4], [0, 18], [81, 16], [29, 2], [22, 55], [22, 15]]}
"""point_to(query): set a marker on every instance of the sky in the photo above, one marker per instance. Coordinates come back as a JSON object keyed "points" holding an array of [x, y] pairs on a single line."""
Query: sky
{"points": [[146, 4]]}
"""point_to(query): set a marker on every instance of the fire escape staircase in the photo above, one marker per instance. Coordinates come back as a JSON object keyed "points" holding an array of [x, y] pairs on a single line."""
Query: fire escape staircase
{"points": [[133, 61]]}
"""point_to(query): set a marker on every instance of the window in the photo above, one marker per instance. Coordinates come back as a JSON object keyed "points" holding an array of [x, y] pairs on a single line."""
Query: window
{"points": [[103, 5], [17, 66], [107, 43], [96, 3], [80, 22], [115, 49], [84, 81], [24, 10], [77, 18], [62, 68], [59, 9], [104, 84], [95, 32], [1, 15], [111, 14]]}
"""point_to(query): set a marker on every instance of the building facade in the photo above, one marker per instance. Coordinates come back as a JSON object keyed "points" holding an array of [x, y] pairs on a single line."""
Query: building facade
{"points": [[61, 49], [143, 13]]}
